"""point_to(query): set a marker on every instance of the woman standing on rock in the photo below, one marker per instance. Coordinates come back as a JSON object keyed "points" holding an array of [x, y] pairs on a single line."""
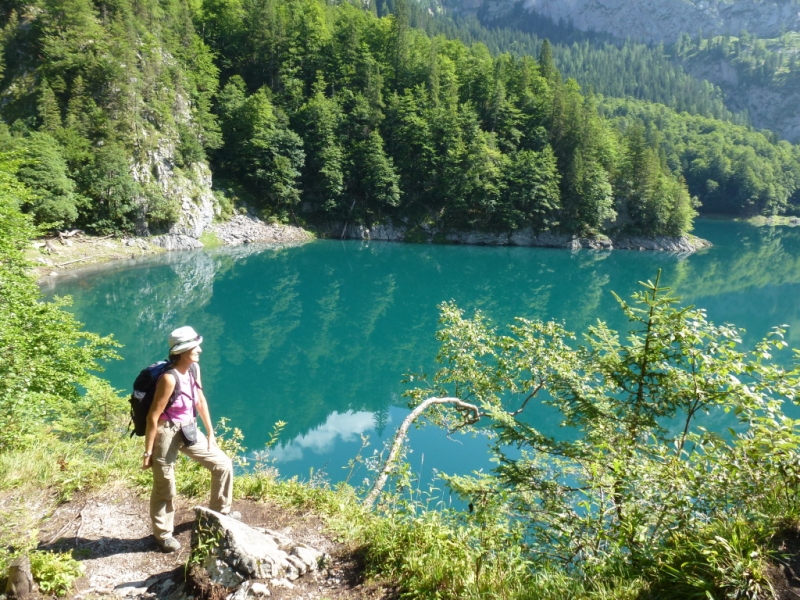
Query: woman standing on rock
{"points": [[172, 428]]}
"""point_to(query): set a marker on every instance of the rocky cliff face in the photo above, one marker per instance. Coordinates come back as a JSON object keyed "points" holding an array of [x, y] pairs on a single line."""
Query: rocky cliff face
{"points": [[660, 20], [187, 189], [768, 108]]}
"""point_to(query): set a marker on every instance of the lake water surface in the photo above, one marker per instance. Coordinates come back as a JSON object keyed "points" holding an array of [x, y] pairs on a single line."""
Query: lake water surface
{"points": [[321, 335]]}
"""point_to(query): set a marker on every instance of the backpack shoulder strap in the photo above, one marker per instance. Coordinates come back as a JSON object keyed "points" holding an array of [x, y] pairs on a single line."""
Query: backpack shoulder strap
{"points": [[175, 392]]}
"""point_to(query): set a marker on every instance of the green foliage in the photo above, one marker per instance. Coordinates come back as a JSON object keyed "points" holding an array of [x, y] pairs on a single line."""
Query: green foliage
{"points": [[449, 134], [654, 201], [639, 486], [55, 572], [731, 169], [45, 355], [611, 67], [110, 83], [206, 544], [260, 148], [108, 180]]}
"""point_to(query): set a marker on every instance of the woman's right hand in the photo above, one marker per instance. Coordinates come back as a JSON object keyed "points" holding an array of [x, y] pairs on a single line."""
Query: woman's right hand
{"points": [[147, 462]]}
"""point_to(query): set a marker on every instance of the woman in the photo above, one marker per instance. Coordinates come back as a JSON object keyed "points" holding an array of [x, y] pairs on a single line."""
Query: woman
{"points": [[171, 425]]}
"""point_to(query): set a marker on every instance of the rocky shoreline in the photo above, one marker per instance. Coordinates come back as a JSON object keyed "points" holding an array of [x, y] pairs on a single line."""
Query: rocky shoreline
{"points": [[247, 229], [522, 237], [51, 256]]}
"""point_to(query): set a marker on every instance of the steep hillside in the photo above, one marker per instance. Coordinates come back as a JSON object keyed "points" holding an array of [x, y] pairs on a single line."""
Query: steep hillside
{"points": [[749, 50], [759, 76], [108, 109], [658, 20]]}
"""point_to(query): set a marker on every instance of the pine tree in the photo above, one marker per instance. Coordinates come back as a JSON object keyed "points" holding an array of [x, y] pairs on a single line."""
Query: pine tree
{"points": [[48, 109], [547, 66]]}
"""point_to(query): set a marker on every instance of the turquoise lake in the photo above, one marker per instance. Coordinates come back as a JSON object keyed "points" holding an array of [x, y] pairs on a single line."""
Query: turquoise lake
{"points": [[321, 335]]}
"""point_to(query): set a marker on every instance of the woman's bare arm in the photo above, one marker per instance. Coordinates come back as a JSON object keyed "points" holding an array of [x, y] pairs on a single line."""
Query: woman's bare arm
{"points": [[164, 389]]}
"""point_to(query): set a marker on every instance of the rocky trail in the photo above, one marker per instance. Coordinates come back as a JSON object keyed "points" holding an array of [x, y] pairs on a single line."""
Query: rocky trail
{"points": [[108, 532]]}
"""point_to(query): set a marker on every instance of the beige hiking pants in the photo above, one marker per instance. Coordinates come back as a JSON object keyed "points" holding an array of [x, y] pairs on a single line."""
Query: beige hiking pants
{"points": [[165, 452]]}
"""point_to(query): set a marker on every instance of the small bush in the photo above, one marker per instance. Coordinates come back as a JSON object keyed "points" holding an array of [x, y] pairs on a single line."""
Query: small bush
{"points": [[55, 572]]}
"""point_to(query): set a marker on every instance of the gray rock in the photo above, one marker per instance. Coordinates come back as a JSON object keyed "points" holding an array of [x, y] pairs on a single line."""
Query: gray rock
{"points": [[679, 245], [189, 188], [259, 590], [247, 229], [242, 552], [221, 572], [478, 238], [525, 237], [20, 583], [176, 242], [659, 20], [242, 593]]}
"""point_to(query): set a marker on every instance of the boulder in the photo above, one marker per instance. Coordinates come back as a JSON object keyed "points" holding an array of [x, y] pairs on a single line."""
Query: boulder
{"points": [[20, 583], [247, 229], [233, 554]]}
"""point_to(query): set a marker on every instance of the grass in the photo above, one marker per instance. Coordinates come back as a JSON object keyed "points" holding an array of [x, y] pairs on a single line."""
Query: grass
{"points": [[209, 239], [441, 553]]}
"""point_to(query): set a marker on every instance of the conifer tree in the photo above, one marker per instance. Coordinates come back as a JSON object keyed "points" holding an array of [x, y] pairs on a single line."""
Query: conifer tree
{"points": [[48, 109]]}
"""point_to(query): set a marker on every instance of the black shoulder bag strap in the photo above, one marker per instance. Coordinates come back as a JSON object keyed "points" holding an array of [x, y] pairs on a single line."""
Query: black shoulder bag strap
{"points": [[194, 384]]}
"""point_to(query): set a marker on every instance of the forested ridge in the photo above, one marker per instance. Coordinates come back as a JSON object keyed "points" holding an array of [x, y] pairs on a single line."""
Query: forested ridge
{"points": [[327, 114], [738, 77]]}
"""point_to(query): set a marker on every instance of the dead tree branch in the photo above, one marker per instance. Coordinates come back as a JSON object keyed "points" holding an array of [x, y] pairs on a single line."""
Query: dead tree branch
{"points": [[471, 415]]}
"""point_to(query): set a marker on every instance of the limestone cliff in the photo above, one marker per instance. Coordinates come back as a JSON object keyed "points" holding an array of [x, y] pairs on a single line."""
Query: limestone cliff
{"points": [[658, 20], [773, 108]]}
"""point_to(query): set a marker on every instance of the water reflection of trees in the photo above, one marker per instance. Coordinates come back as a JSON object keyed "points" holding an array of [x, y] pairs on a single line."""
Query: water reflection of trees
{"points": [[295, 334]]}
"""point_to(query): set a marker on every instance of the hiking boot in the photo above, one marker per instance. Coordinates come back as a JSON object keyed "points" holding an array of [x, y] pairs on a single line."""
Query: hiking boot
{"points": [[234, 514], [169, 544]]}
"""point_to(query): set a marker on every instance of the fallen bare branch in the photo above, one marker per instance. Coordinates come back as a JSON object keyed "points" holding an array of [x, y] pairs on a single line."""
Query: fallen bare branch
{"points": [[69, 234], [400, 436], [69, 262]]}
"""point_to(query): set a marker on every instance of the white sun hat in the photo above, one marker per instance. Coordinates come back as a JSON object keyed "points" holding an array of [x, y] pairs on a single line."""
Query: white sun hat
{"points": [[183, 339]]}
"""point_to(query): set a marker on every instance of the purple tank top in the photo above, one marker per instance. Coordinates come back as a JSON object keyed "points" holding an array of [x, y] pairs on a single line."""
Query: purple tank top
{"points": [[182, 410]]}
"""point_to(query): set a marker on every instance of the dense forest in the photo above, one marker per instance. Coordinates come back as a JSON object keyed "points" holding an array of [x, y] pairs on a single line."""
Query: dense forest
{"points": [[598, 61], [325, 114]]}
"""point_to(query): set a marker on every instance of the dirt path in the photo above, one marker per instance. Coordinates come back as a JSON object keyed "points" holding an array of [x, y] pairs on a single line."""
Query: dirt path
{"points": [[109, 533]]}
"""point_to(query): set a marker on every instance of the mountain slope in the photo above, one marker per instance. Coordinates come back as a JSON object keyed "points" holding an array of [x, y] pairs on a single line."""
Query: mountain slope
{"points": [[659, 20]]}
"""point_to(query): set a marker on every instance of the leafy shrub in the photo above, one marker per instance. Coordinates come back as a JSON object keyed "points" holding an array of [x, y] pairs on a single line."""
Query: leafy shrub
{"points": [[641, 489], [44, 353], [55, 572]]}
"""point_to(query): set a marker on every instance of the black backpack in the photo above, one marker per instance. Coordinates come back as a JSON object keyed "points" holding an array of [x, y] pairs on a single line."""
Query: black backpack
{"points": [[144, 390]]}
